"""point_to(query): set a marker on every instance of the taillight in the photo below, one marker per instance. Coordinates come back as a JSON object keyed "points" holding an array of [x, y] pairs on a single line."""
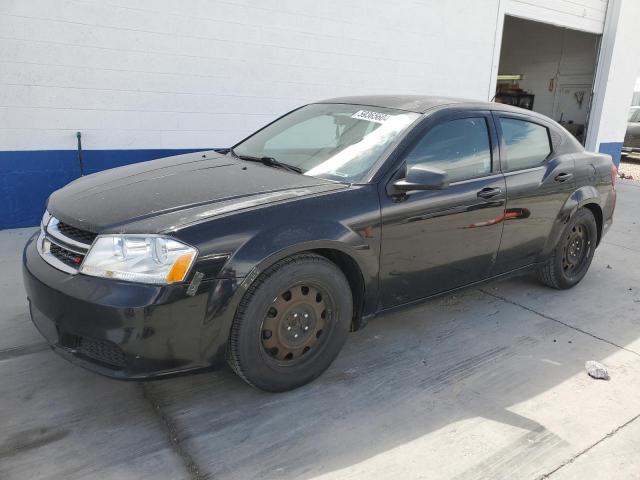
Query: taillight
{"points": [[614, 174]]}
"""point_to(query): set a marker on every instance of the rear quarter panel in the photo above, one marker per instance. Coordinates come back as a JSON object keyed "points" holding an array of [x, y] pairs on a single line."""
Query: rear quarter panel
{"points": [[592, 175], [593, 179]]}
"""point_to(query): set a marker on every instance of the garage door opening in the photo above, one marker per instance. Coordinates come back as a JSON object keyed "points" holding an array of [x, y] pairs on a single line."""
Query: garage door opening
{"points": [[549, 70]]}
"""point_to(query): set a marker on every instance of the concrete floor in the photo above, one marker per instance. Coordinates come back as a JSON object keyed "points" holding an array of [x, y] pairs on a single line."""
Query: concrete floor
{"points": [[630, 166], [486, 383]]}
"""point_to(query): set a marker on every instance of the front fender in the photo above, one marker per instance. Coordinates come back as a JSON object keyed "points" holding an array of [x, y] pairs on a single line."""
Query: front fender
{"points": [[579, 198], [347, 221], [269, 246]]}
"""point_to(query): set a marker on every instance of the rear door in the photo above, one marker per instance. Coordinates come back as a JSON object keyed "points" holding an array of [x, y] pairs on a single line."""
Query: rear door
{"points": [[539, 181], [436, 240]]}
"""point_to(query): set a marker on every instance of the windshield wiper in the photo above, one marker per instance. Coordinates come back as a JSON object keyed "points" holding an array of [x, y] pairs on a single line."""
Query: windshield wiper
{"points": [[268, 161]]}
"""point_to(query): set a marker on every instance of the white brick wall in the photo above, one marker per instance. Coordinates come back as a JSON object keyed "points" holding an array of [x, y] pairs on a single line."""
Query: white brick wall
{"points": [[203, 73]]}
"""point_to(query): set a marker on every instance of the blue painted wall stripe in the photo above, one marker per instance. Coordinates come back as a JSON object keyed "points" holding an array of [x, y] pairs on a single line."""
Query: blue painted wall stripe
{"points": [[614, 149], [27, 178]]}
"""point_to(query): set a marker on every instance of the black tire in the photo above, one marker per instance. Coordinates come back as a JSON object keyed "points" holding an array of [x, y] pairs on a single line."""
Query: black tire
{"points": [[262, 350], [571, 258]]}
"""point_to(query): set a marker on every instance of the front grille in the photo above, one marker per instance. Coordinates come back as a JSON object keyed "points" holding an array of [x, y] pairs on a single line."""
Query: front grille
{"points": [[82, 236], [102, 351], [67, 257], [63, 246]]}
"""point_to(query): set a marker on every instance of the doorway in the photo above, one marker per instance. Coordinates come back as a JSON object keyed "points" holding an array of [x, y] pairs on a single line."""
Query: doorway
{"points": [[549, 70]]}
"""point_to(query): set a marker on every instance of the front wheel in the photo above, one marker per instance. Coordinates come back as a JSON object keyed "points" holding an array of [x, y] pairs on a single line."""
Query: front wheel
{"points": [[570, 260], [291, 323]]}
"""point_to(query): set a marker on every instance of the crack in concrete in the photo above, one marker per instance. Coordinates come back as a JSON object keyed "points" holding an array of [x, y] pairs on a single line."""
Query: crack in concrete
{"points": [[171, 430], [13, 352], [626, 247], [608, 435], [582, 452], [577, 329]]}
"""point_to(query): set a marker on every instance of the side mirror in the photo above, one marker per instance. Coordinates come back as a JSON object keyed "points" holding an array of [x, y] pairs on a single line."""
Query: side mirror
{"points": [[422, 177]]}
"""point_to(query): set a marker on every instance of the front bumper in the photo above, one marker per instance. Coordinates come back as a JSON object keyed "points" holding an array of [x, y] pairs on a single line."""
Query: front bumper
{"points": [[127, 330]]}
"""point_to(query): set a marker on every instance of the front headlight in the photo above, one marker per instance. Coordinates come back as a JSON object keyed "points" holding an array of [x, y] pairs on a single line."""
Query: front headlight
{"points": [[139, 258]]}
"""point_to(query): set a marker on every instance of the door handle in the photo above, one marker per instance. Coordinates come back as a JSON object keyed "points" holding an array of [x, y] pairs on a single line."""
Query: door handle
{"points": [[489, 192], [563, 177]]}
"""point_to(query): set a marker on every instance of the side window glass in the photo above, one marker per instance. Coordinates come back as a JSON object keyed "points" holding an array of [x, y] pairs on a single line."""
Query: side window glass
{"points": [[459, 147], [526, 144]]}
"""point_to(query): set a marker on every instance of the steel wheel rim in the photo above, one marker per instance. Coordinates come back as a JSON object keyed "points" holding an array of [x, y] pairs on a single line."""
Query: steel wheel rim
{"points": [[296, 323], [576, 250]]}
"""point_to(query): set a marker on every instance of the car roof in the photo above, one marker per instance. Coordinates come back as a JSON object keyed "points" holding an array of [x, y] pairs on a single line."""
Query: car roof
{"points": [[422, 103], [411, 103], [425, 103]]}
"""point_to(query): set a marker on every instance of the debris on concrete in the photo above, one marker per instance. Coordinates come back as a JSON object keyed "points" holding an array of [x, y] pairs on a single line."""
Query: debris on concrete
{"points": [[596, 370], [609, 267], [630, 168]]}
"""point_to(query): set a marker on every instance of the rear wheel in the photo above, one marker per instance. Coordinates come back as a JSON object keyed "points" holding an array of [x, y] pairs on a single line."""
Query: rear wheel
{"points": [[570, 260], [291, 323]]}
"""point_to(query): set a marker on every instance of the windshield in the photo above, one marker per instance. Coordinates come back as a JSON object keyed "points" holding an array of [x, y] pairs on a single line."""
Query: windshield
{"points": [[634, 115], [333, 141]]}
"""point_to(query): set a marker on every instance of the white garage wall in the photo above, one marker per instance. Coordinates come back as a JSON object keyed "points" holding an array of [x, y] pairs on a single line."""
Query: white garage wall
{"points": [[587, 15], [617, 71], [175, 74]]}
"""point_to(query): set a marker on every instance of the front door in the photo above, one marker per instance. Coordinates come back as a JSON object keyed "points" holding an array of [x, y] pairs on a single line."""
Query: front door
{"points": [[437, 240]]}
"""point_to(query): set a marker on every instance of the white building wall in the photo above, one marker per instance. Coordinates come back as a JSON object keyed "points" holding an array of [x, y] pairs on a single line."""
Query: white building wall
{"points": [[204, 73], [587, 15], [615, 79]]}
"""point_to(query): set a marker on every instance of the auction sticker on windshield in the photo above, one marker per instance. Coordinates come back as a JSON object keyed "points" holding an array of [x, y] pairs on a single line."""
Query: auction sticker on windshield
{"points": [[376, 117]]}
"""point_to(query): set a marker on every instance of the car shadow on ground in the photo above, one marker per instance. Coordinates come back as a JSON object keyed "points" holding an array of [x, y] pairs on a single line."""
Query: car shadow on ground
{"points": [[467, 356]]}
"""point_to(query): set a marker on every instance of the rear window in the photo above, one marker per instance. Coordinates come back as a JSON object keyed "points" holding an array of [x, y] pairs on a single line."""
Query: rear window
{"points": [[526, 144]]}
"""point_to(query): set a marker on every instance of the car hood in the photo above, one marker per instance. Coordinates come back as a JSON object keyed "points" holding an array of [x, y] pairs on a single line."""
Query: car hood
{"points": [[162, 195]]}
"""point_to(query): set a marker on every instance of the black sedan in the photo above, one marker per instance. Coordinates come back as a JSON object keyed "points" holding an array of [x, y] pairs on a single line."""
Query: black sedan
{"points": [[267, 254]]}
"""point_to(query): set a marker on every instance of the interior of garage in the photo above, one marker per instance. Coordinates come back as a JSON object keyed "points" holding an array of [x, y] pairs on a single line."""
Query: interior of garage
{"points": [[548, 69]]}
